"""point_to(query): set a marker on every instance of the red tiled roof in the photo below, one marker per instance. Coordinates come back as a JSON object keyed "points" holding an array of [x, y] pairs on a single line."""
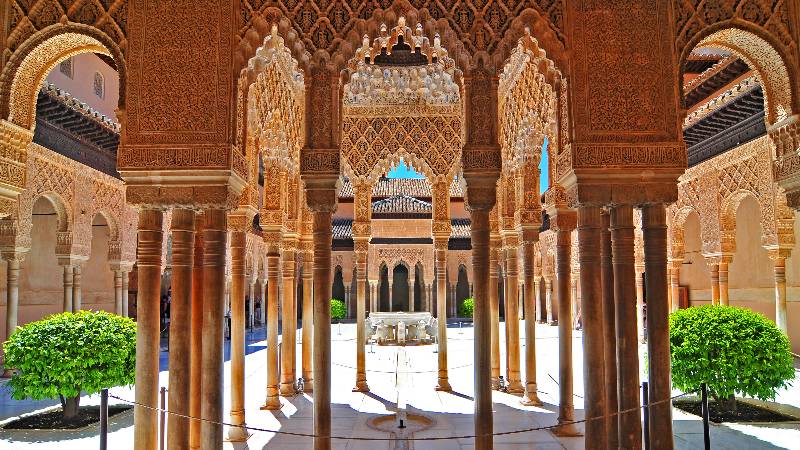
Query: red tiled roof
{"points": [[401, 204], [343, 229]]}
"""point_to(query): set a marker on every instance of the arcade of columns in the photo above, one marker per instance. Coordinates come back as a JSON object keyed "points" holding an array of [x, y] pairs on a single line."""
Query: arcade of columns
{"points": [[611, 113]]}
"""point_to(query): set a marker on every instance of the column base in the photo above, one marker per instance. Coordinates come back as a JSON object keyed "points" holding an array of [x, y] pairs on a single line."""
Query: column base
{"points": [[237, 434], [288, 390], [531, 399], [308, 386], [443, 385], [273, 403], [567, 429], [495, 383], [361, 386], [553, 323], [515, 387]]}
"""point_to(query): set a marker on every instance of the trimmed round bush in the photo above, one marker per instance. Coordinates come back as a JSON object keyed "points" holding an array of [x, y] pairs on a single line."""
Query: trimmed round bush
{"points": [[466, 308], [732, 350], [338, 310], [64, 354]]}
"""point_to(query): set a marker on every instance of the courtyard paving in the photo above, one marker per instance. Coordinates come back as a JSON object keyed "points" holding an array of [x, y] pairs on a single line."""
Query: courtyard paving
{"points": [[402, 376]]}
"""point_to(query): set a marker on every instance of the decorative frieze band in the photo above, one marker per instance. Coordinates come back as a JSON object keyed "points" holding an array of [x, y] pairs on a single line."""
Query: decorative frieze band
{"points": [[597, 156]]}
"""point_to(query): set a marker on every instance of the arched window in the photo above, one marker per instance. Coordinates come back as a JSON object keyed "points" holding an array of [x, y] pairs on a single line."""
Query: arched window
{"points": [[99, 85], [65, 67]]}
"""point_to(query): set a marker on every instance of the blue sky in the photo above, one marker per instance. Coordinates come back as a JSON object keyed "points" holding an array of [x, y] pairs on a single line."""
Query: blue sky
{"points": [[404, 170]]}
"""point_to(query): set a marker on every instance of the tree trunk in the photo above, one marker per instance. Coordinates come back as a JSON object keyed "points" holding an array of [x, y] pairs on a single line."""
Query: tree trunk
{"points": [[70, 407]]}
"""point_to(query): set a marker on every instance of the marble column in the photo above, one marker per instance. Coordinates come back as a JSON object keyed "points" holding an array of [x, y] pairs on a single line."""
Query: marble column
{"points": [[429, 297], [440, 256], [196, 350], [589, 254], [13, 261], [640, 304], [779, 272], [514, 386], [714, 266], [272, 401], [77, 288], [238, 324], [674, 282], [182, 227], [576, 307], [609, 319], [654, 228], [391, 295], [308, 323], [262, 318], [479, 231], [118, 309], [323, 279], [550, 316], [723, 280], [361, 306], [411, 285], [251, 307], [148, 262], [628, 392], [529, 238], [287, 311], [125, 290], [453, 301], [66, 305], [494, 312], [563, 222], [215, 241]]}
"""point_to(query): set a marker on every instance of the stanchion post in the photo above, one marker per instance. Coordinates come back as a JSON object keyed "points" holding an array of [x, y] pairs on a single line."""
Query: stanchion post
{"points": [[104, 419], [646, 423], [163, 418], [704, 403]]}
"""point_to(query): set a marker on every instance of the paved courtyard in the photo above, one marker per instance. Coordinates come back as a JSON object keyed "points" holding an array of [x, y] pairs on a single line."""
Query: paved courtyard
{"points": [[402, 381]]}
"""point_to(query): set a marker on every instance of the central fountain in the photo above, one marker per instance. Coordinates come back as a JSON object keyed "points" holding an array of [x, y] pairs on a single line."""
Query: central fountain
{"points": [[401, 328]]}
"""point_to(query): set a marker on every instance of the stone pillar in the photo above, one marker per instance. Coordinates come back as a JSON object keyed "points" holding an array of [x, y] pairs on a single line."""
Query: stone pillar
{"points": [[529, 238], [196, 350], [66, 305], [576, 307], [429, 297], [640, 304], [550, 316], [125, 290], [361, 306], [182, 227], [148, 262], [118, 309], [510, 244], [654, 228], [723, 279], [714, 266], [628, 392], [238, 324], [77, 288], [272, 401], [494, 311], [453, 305], [347, 300], [262, 319], [251, 307], [440, 256], [563, 221], [537, 299], [674, 282], [308, 322], [609, 331], [13, 261], [589, 226], [287, 312], [215, 236], [411, 285], [778, 257]]}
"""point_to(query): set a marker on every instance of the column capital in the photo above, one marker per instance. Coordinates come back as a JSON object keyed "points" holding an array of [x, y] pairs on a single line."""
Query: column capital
{"points": [[778, 253], [14, 256]]}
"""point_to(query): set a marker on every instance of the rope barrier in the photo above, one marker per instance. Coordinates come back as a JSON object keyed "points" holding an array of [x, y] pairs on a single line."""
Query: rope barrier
{"points": [[359, 438]]}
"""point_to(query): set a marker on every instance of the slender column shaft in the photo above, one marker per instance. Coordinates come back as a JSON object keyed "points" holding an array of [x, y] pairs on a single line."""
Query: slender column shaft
{"points": [[494, 313], [566, 404], [361, 334], [483, 329], [548, 298], [308, 327], [68, 280], [287, 312], [118, 292], [125, 304], [272, 402], [215, 241], [715, 284], [391, 292], [589, 224], [576, 307], [263, 313], [238, 281], [675, 281], [411, 286], [180, 329], [251, 306], [148, 262], [528, 257], [630, 424], [196, 350], [512, 320], [654, 227], [537, 299], [723, 283], [609, 331], [322, 328], [779, 270], [640, 305], [77, 288], [440, 255], [12, 298]]}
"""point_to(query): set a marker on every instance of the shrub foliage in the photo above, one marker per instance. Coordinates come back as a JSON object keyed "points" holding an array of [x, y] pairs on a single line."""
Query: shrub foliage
{"points": [[466, 307], [732, 350], [338, 310], [64, 354]]}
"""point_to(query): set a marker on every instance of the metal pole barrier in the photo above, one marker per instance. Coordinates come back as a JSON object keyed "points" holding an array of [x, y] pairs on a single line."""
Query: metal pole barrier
{"points": [[704, 403], [646, 407], [104, 419], [162, 418]]}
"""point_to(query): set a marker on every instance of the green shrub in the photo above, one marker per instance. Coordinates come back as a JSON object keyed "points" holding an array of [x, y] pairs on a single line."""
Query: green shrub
{"points": [[64, 354], [732, 350], [466, 307], [338, 310]]}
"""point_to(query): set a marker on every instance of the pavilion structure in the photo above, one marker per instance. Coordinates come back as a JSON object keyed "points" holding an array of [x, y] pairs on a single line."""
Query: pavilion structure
{"points": [[242, 125]]}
